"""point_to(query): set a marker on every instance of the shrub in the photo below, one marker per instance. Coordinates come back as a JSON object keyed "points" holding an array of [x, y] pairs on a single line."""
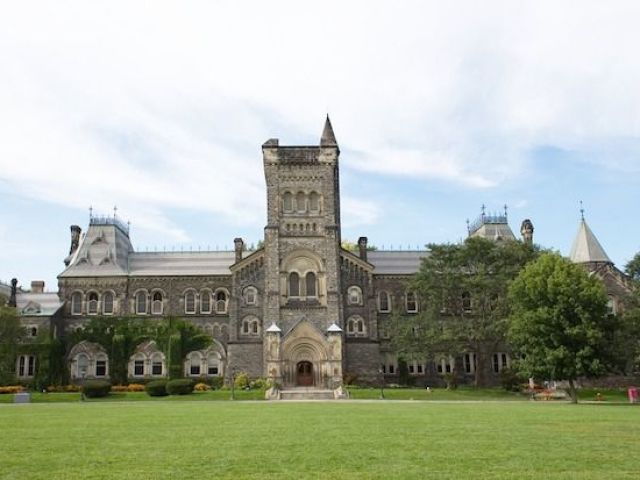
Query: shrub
{"points": [[216, 382], [157, 388], [11, 389], [260, 383], [182, 386], [135, 387], [349, 378], [242, 380], [119, 388], [511, 380], [72, 388], [96, 388], [201, 387]]}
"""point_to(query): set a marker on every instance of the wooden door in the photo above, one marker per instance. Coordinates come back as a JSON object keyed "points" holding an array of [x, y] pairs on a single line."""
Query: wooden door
{"points": [[305, 374]]}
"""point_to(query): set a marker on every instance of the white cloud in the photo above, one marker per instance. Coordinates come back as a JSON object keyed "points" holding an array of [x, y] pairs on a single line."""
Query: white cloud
{"points": [[164, 105]]}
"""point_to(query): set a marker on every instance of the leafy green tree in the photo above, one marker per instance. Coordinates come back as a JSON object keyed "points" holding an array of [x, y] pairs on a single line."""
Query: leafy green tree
{"points": [[559, 324], [632, 268], [463, 294], [12, 334]]}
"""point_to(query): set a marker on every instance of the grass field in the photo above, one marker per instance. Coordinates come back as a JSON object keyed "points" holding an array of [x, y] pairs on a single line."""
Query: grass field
{"points": [[345, 440]]}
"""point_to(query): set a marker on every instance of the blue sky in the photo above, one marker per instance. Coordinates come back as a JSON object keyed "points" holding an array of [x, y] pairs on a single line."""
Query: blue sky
{"points": [[161, 109]]}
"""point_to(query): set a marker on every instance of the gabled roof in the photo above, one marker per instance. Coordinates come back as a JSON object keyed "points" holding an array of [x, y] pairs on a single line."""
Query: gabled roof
{"points": [[586, 247], [396, 263], [38, 304]]}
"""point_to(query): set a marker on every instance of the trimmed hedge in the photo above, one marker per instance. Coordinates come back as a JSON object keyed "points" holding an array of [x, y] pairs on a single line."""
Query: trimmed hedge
{"points": [[96, 388], [156, 388], [182, 386]]}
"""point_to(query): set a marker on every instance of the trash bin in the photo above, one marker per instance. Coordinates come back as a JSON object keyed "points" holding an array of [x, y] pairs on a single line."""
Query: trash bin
{"points": [[633, 394]]}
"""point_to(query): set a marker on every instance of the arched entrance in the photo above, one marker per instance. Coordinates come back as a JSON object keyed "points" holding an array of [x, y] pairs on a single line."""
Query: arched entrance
{"points": [[304, 374]]}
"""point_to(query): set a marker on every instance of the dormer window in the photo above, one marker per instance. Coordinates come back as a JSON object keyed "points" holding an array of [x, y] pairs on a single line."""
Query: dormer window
{"points": [[92, 307], [156, 303]]}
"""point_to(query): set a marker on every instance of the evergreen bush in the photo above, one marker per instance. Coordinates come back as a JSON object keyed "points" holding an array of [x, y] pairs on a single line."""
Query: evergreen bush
{"points": [[156, 388], [96, 388], [182, 386], [242, 380]]}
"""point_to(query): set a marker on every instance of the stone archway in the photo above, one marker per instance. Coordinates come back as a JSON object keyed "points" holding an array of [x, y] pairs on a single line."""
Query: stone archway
{"points": [[304, 374], [305, 357]]}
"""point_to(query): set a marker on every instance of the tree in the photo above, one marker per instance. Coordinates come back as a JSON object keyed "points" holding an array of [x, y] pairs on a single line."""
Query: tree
{"points": [[632, 268], [558, 322], [12, 334], [462, 290]]}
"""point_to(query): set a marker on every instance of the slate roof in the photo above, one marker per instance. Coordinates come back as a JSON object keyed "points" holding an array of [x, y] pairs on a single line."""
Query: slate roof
{"points": [[586, 247], [181, 263], [38, 304], [395, 262]]}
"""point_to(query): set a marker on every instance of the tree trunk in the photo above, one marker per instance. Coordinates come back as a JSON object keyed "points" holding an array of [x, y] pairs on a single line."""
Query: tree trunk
{"points": [[573, 394]]}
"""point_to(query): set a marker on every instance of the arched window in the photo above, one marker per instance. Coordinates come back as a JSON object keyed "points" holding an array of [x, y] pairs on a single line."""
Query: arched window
{"points": [[384, 302], [310, 281], [141, 303], [92, 308], [356, 326], [250, 295], [221, 302], [301, 202], [314, 202], [190, 302], [354, 295], [411, 302], [26, 366], [445, 364], [205, 301], [294, 284], [156, 303], [107, 303], [33, 331], [76, 304], [287, 202], [83, 365], [194, 364], [157, 364], [213, 365], [250, 326]]}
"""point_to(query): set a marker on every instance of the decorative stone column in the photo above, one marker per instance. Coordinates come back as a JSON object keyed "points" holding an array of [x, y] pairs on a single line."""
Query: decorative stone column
{"points": [[334, 352], [273, 354]]}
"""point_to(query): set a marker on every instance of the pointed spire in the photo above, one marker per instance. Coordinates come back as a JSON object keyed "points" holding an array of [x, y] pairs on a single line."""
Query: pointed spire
{"points": [[586, 247], [328, 138]]}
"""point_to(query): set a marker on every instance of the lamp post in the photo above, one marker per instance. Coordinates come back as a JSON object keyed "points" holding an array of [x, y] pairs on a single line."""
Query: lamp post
{"points": [[381, 372]]}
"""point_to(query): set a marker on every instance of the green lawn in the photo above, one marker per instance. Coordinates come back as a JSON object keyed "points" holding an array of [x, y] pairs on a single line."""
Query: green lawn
{"points": [[345, 440]]}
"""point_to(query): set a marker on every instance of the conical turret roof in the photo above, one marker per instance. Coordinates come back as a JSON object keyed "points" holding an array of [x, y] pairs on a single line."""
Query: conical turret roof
{"points": [[328, 138], [586, 247]]}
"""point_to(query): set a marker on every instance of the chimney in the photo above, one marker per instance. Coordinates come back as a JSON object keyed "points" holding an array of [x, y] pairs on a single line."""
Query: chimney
{"points": [[37, 286], [75, 238], [526, 230], [14, 290], [362, 246], [239, 246]]}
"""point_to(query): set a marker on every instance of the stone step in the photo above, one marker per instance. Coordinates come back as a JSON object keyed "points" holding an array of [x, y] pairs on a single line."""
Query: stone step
{"points": [[306, 394]]}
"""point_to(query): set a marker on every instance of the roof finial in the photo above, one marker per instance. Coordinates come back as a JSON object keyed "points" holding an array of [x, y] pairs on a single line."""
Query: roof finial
{"points": [[581, 211], [505, 210], [115, 211], [483, 209], [328, 138], [90, 212], [468, 227]]}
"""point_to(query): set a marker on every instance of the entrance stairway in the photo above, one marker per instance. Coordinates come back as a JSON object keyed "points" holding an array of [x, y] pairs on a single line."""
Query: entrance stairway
{"points": [[306, 393]]}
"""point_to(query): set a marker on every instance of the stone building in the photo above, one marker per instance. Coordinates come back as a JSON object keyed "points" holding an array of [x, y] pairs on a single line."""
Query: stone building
{"points": [[300, 310]]}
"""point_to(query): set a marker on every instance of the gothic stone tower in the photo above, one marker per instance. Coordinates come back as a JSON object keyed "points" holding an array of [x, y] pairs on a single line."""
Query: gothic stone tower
{"points": [[303, 345]]}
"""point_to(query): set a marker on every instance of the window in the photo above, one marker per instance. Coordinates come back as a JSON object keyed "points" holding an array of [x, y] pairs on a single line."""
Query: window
{"points": [[92, 308], [107, 303], [156, 365], [354, 295], [611, 305], [250, 326], [356, 326], [194, 364], [221, 302], [445, 365], [301, 202], [314, 202], [205, 301], [83, 365], [411, 302], [213, 366], [294, 284], [101, 366], [500, 362], [310, 281], [190, 302], [138, 367], [26, 366], [156, 303], [466, 302], [384, 302], [250, 295], [469, 361], [416, 367], [287, 202], [141, 303], [76, 303], [33, 331]]}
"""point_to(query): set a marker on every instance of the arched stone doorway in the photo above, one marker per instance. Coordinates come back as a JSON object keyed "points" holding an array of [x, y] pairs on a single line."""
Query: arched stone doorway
{"points": [[304, 374]]}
